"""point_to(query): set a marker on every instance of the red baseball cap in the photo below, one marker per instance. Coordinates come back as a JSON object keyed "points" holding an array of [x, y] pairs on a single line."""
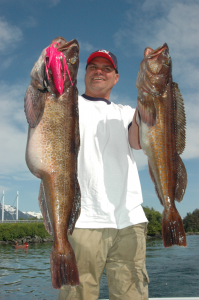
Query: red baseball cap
{"points": [[106, 54]]}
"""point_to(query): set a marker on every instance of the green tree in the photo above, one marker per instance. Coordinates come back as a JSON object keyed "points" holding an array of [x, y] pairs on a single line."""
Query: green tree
{"points": [[155, 221], [191, 221]]}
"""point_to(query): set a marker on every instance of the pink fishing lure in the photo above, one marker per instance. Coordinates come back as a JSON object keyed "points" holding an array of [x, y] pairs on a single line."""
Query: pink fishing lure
{"points": [[55, 64]]}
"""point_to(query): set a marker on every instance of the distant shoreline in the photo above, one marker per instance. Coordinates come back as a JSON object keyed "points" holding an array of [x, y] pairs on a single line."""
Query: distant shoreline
{"points": [[37, 239], [29, 240], [192, 233], [159, 236]]}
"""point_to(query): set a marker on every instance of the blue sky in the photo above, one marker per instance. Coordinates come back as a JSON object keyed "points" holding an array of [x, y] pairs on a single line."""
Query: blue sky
{"points": [[124, 27]]}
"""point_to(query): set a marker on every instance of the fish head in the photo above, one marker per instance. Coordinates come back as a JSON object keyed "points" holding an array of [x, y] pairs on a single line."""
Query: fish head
{"points": [[70, 51], [155, 70], [66, 51], [158, 68], [66, 56]]}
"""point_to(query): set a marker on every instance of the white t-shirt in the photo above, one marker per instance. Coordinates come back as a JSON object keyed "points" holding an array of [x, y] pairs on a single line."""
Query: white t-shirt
{"points": [[111, 195]]}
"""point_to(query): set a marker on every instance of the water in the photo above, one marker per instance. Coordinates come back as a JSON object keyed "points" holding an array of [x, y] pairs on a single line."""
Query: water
{"points": [[25, 274], [173, 272]]}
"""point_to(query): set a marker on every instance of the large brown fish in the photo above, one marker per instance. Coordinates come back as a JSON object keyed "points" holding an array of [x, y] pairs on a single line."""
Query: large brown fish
{"points": [[51, 154], [161, 119]]}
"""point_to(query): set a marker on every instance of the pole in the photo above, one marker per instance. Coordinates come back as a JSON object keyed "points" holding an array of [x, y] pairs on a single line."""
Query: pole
{"points": [[3, 207], [17, 206]]}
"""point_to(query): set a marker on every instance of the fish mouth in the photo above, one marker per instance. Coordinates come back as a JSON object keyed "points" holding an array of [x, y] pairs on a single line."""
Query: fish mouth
{"points": [[157, 51], [68, 45]]}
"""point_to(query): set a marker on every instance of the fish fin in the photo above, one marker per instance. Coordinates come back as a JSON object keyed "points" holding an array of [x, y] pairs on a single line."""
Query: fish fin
{"points": [[146, 108], [44, 210], [180, 119], [76, 209], [63, 267], [181, 183], [172, 229], [154, 182], [77, 135], [137, 118], [34, 103]]}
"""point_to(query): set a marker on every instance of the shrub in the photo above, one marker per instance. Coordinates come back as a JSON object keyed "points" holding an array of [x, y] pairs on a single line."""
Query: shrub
{"points": [[191, 221], [10, 231], [155, 221]]}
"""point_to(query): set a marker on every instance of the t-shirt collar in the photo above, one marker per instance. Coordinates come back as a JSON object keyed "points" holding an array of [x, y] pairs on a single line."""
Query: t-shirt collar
{"points": [[95, 99]]}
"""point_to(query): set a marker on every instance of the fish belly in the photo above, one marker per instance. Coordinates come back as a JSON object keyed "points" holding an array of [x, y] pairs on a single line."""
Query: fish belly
{"points": [[52, 156]]}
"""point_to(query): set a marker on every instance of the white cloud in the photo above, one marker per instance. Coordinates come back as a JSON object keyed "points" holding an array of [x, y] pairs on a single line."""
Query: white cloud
{"points": [[7, 62], [13, 133], [54, 2], [30, 22], [24, 176], [3, 188], [177, 23], [9, 35], [85, 46]]}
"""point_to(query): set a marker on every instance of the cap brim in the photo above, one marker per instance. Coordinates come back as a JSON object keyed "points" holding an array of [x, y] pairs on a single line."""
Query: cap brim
{"points": [[100, 54]]}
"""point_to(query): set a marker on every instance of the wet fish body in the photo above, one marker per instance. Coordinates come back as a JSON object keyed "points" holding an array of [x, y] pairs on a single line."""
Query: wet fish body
{"points": [[51, 154], [161, 119]]}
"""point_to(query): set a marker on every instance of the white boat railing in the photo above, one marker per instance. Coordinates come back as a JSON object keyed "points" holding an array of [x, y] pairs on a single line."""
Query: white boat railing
{"points": [[21, 221], [186, 298]]}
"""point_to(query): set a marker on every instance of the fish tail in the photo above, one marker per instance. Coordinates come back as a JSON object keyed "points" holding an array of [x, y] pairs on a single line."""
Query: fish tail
{"points": [[63, 267], [172, 229]]}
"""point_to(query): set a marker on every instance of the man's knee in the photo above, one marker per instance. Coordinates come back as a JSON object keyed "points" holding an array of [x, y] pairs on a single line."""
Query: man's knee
{"points": [[68, 293]]}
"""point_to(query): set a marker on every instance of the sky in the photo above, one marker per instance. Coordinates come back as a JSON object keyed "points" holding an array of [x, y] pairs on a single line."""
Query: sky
{"points": [[124, 27]]}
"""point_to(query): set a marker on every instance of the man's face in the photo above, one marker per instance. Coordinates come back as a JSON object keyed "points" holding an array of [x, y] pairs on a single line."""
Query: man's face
{"points": [[100, 78]]}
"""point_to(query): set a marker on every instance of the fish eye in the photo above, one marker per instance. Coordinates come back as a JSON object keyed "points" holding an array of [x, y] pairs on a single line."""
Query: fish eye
{"points": [[168, 62], [73, 60]]}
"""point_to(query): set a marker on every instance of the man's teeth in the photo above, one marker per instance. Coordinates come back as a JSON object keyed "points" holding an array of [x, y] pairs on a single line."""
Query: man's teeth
{"points": [[97, 79]]}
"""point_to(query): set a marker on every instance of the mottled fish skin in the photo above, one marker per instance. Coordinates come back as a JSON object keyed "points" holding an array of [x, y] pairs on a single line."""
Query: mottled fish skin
{"points": [[161, 120], [51, 154]]}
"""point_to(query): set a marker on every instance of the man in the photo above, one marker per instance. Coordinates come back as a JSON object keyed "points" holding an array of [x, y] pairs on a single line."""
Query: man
{"points": [[110, 232]]}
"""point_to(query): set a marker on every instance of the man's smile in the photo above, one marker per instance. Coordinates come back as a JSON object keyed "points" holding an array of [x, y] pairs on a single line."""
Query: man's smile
{"points": [[98, 78]]}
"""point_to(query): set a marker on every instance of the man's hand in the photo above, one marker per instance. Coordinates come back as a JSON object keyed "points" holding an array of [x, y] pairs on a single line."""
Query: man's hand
{"points": [[134, 140]]}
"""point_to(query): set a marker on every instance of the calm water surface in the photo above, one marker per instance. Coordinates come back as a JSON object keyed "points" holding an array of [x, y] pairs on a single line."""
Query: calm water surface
{"points": [[173, 272]]}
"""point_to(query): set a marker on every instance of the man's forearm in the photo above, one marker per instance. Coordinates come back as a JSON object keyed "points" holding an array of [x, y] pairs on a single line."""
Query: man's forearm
{"points": [[134, 140]]}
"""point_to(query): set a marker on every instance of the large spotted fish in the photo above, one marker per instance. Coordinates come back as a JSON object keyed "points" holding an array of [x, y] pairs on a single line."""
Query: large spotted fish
{"points": [[51, 108], [161, 119]]}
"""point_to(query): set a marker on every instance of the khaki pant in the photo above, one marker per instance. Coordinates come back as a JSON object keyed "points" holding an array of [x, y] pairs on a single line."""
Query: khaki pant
{"points": [[120, 252]]}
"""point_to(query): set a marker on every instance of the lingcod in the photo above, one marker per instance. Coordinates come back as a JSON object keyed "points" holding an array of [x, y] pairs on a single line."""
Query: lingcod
{"points": [[161, 119], [52, 149]]}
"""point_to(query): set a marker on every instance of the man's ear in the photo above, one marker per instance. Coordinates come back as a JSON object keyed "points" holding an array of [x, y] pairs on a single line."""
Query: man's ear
{"points": [[116, 79]]}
